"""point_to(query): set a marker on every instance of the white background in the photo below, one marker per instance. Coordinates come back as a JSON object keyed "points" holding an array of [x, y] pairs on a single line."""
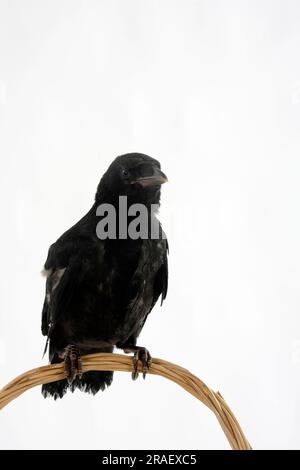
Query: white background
{"points": [[211, 89]]}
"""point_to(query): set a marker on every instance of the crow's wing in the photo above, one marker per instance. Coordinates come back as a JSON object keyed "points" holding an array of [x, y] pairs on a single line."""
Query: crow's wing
{"points": [[161, 279], [65, 268], [153, 258]]}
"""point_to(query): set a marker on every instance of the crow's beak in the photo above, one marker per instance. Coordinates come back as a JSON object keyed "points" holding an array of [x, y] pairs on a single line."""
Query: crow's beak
{"points": [[156, 179]]}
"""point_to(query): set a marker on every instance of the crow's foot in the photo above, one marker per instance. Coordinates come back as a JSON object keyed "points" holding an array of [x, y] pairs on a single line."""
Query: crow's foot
{"points": [[140, 354], [72, 363]]}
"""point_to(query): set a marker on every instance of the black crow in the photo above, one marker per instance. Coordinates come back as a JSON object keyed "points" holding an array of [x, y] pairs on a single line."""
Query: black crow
{"points": [[99, 291]]}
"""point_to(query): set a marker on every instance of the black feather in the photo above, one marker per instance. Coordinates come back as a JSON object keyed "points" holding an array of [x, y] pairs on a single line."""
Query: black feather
{"points": [[100, 292]]}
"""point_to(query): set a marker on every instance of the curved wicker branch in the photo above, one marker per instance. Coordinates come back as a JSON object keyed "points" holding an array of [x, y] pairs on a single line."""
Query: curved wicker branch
{"points": [[119, 362]]}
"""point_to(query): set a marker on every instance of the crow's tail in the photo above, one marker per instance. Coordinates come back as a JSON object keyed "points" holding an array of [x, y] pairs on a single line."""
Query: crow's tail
{"points": [[90, 382]]}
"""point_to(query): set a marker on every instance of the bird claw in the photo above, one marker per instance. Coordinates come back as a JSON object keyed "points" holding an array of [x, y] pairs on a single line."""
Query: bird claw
{"points": [[141, 354], [72, 363]]}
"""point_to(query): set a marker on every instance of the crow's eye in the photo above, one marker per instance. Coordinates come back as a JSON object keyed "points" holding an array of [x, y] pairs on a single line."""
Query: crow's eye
{"points": [[125, 173]]}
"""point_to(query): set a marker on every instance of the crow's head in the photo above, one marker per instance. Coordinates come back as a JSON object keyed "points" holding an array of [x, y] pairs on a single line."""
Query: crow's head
{"points": [[134, 175]]}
